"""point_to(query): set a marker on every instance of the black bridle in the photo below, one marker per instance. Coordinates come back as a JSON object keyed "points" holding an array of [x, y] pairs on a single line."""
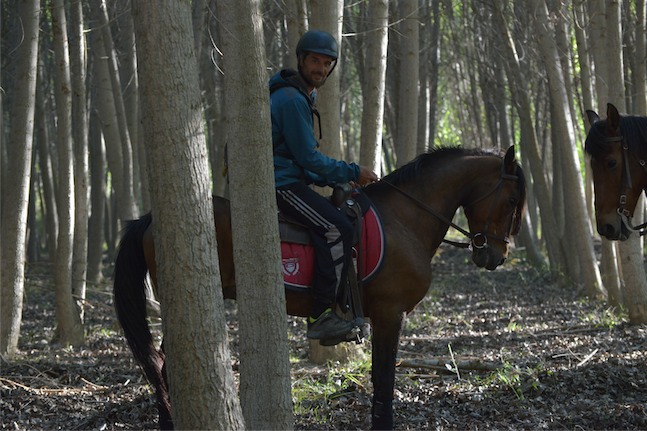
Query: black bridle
{"points": [[623, 212], [478, 240]]}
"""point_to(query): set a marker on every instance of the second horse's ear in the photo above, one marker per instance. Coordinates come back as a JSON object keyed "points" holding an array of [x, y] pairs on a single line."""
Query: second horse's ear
{"points": [[592, 116], [613, 118]]}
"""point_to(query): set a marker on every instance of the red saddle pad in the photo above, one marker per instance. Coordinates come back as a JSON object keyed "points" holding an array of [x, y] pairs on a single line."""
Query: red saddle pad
{"points": [[298, 259]]}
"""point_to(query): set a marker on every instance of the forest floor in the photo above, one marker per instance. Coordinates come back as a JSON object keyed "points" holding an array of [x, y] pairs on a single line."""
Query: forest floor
{"points": [[502, 350]]}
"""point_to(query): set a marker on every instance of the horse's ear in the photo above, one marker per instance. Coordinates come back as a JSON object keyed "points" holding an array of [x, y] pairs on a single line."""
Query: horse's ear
{"points": [[592, 116], [509, 161], [613, 118], [509, 155]]}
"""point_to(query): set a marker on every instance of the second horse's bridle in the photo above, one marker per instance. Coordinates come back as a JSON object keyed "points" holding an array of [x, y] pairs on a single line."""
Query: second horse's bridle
{"points": [[623, 212]]}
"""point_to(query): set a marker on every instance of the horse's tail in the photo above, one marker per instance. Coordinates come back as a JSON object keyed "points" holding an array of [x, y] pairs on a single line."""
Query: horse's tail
{"points": [[129, 291]]}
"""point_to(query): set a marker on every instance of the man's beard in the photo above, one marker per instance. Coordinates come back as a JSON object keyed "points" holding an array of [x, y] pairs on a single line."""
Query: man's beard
{"points": [[310, 82], [315, 84]]}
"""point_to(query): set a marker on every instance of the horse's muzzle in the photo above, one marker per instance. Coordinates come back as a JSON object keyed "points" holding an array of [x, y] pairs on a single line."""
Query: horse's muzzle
{"points": [[487, 258], [616, 231]]}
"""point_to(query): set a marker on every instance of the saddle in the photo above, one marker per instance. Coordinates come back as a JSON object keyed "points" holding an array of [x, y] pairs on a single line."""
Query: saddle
{"points": [[297, 254]]}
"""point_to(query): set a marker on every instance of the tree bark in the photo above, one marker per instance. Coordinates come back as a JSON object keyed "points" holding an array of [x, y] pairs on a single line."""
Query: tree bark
{"points": [[640, 73], [327, 15], [97, 200], [130, 211], [108, 114], [19, 149], [200, 377], [609, 259], [69, 329], [45, 166], [78, 69], [634, 288], [581, 244], [265, 390], [375, 79], [297, 24], [406, 139], [529, 142]]}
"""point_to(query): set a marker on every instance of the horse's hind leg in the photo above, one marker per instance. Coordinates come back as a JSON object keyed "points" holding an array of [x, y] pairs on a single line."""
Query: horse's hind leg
{"points": [[163, 396], [161, 383], [386, 336]]}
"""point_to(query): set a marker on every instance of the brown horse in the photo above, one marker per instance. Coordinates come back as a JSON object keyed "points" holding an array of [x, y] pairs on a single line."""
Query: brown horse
{"points": [[416, 204], [618, 149]]}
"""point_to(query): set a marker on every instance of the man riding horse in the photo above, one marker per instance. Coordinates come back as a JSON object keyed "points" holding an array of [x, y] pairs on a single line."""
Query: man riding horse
{"points": [[298, 164]]}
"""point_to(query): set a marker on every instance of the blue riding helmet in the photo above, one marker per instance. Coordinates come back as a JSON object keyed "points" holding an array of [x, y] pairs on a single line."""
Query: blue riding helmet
{"points": [[318, 41]]}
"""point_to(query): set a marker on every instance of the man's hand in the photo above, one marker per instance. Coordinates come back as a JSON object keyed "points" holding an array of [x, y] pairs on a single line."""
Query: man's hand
{"points": [[366, 176]]}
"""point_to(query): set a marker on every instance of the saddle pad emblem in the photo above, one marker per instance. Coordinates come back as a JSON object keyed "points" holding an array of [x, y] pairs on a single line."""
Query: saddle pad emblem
{"points": [[290, 266]]}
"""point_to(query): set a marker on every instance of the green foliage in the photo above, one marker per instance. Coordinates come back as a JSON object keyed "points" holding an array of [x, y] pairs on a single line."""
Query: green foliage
{"points": [[605, 317], [312, 392], [514, 378]]}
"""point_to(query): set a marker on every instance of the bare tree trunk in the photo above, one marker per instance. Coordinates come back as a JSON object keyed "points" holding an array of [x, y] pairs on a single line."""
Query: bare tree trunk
{"points": [[608, 265], [100, 11], [375, 78], [107, 113], [297, 24], [45, 167], [265, 390], [631, 256], [422, 134], [581, 244], [609, 260], [69, 329], [97, 200], [211, 84], [127, 74], [19, 157], [201, 380], [434, 59], [586, 79], [640, 72], [530, 146], [406, 139], [78, 68], [327, 15]]}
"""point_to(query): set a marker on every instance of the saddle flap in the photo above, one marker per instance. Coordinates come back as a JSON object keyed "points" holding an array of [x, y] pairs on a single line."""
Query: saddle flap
{"points": [[294, 233]]}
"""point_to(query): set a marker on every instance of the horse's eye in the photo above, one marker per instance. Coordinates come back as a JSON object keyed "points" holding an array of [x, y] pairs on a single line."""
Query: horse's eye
{"points": [[513, 201], [612, 163]]}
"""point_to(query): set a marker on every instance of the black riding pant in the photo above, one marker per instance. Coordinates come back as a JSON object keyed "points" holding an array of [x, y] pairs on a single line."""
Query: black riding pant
{"points": [[331, 232]]}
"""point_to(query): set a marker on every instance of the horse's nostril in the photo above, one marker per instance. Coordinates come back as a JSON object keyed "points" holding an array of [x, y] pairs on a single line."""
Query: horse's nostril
{"points": [[606, 230]]}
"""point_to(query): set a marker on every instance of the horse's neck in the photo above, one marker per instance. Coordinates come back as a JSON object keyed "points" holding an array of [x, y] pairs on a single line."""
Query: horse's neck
{"points": [[434, 201], [443, 187]]}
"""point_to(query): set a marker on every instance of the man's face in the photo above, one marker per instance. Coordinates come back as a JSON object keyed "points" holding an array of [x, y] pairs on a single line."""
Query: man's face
{"points": [[315, 68]]}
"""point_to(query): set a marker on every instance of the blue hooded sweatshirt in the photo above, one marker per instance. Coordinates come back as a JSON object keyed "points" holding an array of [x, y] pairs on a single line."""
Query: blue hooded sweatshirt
{"points": [[296, 157]]}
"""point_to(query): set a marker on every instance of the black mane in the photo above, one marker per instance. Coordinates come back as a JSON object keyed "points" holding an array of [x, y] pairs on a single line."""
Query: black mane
{"points": [[411, 170], [633, 129]]}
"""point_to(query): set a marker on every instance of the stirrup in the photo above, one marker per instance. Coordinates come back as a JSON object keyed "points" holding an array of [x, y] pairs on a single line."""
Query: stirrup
{"points": [[357, 334]]}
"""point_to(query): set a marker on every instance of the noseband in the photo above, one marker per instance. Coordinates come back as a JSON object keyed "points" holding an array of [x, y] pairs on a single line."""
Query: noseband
{"points": [[478, 240]]}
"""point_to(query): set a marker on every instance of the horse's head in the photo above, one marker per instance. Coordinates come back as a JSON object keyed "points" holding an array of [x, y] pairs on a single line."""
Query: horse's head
{"points": [[496, 214], [618, 174]]}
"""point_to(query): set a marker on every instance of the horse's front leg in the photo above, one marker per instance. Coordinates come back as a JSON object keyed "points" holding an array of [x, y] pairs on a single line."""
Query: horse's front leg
{"points": [[386, 337]]}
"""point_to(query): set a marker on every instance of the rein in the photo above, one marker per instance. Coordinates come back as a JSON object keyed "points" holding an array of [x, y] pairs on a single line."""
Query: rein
{"points": [[622, 211], [473, 237]]}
